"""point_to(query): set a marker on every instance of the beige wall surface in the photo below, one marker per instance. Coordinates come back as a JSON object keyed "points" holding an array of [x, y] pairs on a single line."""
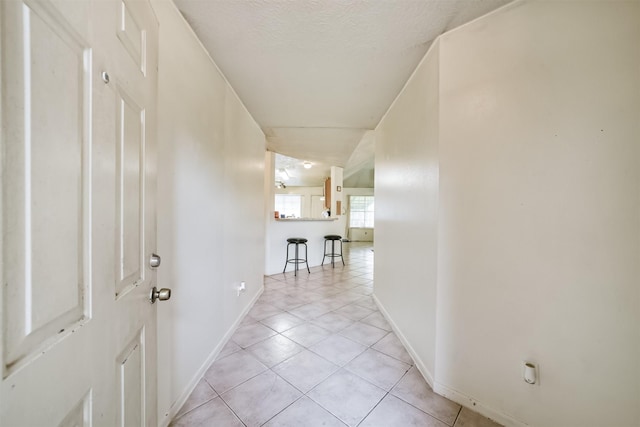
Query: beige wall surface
{"points": [[210, 216], [538, 231], [406, 187]]}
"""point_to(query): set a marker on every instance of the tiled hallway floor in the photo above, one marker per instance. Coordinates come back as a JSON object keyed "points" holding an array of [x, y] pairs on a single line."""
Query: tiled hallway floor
{"points": [[315, 351]]}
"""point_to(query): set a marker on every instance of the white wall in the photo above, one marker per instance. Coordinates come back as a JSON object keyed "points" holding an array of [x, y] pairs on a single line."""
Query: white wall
{"points": [[406, 189], [210, 216], [539, 231], [538, 243]]}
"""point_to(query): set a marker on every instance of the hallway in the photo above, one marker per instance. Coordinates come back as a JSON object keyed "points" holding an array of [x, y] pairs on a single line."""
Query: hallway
{"points": [[316, 351]]}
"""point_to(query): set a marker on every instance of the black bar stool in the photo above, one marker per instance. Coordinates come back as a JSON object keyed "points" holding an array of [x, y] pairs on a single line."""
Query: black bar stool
{"points": [[296, 259], [333, 255]]}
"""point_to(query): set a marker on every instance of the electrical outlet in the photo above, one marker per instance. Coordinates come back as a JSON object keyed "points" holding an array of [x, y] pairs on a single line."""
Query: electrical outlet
{"points": [[531, 374], [241, 287]]}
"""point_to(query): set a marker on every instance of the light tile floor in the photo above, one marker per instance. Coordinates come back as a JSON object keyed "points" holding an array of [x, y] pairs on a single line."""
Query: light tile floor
{"points": [[315, 351]]}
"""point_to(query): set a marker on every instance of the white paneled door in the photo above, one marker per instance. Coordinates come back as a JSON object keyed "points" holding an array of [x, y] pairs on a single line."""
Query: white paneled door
{"points": [[78, 343]]}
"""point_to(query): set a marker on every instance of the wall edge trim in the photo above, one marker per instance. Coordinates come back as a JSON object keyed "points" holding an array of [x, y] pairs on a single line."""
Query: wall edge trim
{"points": [[434, 43]]}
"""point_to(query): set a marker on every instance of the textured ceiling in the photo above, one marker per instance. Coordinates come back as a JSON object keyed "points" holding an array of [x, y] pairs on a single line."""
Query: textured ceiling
{"points": [[316, 74], [297, 175]]}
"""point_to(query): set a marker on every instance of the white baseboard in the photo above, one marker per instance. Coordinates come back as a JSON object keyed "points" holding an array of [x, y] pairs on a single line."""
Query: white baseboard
{"points": [[476, 406], [443, 390], [419, 363], [175, 407]]}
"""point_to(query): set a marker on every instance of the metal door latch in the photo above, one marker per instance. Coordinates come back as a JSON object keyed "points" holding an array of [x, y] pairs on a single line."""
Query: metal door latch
{"points": [[161, 295]]}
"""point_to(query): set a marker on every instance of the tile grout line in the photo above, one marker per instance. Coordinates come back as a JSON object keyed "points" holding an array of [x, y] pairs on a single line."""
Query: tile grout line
{"points": [[318, 284], [457, 416], [232, 411]]}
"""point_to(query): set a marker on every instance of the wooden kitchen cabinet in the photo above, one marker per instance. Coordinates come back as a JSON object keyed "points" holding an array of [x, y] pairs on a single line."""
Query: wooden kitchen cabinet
{"points": [[327, 193]]}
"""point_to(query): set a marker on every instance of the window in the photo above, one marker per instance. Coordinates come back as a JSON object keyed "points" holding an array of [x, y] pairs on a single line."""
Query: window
{"points": [[289, 205], [361, 211]]}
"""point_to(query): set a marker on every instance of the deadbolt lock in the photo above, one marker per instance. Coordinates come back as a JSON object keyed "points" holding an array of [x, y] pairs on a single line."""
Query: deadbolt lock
{"points": [[155, 260]]}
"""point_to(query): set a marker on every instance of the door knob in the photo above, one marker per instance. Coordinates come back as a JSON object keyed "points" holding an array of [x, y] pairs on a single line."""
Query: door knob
{"points": [[159, 294], [155, 260]]}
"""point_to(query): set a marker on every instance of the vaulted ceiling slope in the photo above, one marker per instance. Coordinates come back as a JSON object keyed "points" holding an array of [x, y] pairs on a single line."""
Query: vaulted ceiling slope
{"points": [[316, 74]]}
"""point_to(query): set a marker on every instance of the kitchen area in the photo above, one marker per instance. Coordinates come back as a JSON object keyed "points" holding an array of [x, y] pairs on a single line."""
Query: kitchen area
{"points": [[308, 199]]}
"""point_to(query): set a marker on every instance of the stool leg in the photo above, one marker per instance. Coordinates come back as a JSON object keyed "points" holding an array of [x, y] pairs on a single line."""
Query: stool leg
{"points": [[306, 251], [341, 257], [324, 251], [286, 261], [333, 253], [296, 261]]}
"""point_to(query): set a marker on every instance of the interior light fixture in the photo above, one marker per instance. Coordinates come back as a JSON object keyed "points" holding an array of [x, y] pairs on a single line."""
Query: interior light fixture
{"points": [[284, 174], [307, 165]]}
